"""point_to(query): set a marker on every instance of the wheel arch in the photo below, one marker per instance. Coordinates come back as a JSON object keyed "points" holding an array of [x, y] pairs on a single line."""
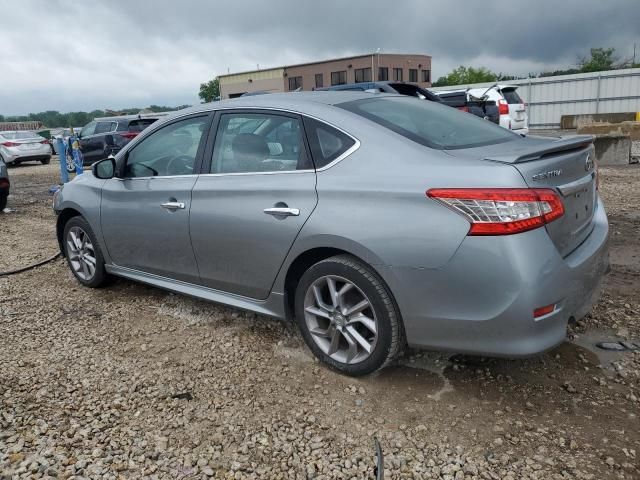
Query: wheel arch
{"points": [[63, 217], [303, 261]]}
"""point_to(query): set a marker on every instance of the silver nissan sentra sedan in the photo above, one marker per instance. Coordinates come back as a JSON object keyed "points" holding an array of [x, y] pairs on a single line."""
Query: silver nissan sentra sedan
{"points": [[377, 221]]}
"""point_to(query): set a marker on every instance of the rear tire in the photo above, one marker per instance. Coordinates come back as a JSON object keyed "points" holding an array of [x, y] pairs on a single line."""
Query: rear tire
{"points": [[83, 253], [3, 202], [348, 317], [45, 161]]}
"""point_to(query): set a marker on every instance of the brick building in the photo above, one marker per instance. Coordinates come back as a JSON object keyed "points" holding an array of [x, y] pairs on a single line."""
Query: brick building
{"points": [[309, 76]]}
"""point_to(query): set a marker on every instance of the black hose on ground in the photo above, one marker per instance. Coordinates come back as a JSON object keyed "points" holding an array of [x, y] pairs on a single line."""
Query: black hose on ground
{"points": [[30, 267]]}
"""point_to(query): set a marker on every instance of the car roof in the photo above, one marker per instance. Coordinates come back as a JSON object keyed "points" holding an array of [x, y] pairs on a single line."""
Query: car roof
{"points": [[289, 100], [121, 118]]}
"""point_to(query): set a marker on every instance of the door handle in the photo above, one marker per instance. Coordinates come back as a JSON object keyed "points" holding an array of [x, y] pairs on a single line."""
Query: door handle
{"points": [[172, 205], [282, 211]]}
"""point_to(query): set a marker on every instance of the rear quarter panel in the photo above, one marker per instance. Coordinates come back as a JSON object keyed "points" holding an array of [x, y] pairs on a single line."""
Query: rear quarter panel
{"points": [[373, 203]]}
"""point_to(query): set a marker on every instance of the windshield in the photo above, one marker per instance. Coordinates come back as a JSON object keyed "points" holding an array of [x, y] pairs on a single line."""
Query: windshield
{"points": [[428, 123]]}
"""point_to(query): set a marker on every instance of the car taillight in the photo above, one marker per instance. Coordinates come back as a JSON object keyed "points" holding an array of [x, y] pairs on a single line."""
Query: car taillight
{"points": [[501, 211], [463, 109], [4, 182], [9, 144], [542, 311], [45, 141], [129, 135], [503, 107]]}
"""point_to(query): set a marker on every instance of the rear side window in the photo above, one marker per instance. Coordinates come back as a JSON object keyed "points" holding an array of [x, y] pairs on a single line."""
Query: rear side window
{"points": [[429, 123], [511, 96], [326, 142]]}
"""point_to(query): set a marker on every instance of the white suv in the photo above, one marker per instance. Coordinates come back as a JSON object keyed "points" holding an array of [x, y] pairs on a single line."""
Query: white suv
{"points": [[513, 111]]}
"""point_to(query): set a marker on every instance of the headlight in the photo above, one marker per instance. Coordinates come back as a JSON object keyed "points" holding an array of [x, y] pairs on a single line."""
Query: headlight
{"points": [[55, 195]]}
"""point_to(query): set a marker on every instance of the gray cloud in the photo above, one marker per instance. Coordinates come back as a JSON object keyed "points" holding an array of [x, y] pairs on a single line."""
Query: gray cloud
{"points": [[68, 55]]}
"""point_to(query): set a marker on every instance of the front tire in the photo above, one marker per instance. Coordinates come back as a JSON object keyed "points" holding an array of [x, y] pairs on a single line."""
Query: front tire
{"points": [[45, 161], [3, 202], [83, 253], [347, 316]]}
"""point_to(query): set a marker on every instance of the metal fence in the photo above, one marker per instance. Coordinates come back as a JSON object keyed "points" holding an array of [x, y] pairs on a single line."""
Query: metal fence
{"points": [[548, 98]]}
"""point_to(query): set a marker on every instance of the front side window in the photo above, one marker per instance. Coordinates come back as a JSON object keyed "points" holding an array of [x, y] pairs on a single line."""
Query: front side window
{"points": [[339, 78], [88, 129], [258, 142], [172, 150], [430, 124], [295, 83], [413, 75], [362, 75], [397, 74], [383, 74]]}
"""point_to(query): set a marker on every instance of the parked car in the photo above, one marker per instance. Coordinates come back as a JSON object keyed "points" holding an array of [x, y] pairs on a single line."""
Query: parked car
{"points": [[376, 221], [512, 109], [24, 146], [65, 135], [106, 136], [5, 185], [480, 107], [402, 88]]}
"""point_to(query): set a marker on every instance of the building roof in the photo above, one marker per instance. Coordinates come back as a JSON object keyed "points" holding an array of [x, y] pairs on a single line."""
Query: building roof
{"points": [[365, 55]]}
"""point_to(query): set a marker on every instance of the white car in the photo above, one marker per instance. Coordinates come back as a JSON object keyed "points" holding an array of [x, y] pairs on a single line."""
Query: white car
{"points": [[24, 146], [513, 110]]}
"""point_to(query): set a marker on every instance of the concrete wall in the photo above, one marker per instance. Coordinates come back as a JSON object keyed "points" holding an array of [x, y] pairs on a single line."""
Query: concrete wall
{"points": [[277, 79], [271, 80], [612, 149], [350, 65], [568, 122]]}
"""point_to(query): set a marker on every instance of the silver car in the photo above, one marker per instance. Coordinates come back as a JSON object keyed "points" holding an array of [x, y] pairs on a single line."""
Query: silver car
{"points": [[377, 221], [24, 146]]}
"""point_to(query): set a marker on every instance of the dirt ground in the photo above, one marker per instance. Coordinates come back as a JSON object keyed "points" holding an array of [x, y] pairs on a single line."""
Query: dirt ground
{"points": [[131, 381]]}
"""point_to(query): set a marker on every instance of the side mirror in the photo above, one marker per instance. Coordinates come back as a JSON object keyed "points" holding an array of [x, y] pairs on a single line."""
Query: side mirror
{"points": [[108, 139], [104, 169]]}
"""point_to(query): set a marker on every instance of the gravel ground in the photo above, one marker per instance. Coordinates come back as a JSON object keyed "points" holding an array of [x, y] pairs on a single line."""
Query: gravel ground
{"points": [[131, 381]]}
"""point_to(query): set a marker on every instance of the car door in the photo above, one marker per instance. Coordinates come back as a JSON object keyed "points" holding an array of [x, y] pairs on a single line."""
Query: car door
{"points": [[145, 212], [92, 144], [256, 191]]}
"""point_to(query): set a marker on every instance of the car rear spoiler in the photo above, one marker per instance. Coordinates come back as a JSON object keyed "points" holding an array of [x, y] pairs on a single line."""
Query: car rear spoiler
{"points": [[562, 144]]}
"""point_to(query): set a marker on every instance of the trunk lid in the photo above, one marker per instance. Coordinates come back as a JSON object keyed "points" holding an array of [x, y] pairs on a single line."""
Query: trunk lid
{"points": [[565, 165]]}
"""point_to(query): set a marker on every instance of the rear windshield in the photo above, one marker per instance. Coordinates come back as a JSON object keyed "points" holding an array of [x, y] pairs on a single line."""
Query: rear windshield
{"points": [[511, 96], [19, 135], [140, 125], [428, 123]]}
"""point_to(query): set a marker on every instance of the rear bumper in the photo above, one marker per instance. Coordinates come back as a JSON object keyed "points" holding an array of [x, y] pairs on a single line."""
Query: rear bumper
{"points": [[482, 301], [26, 157]]}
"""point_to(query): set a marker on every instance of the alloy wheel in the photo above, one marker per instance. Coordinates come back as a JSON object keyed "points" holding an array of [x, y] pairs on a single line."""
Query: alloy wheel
{"points": [[340, 319], [81, 253]]}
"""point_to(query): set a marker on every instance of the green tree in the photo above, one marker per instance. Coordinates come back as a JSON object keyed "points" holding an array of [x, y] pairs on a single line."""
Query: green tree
{"points": [[210, 91], [600, 59], [463, 75]]}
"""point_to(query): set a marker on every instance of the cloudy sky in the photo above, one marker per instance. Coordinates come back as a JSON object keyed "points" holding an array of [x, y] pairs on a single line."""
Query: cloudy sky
{"points": [[81, 55]]}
